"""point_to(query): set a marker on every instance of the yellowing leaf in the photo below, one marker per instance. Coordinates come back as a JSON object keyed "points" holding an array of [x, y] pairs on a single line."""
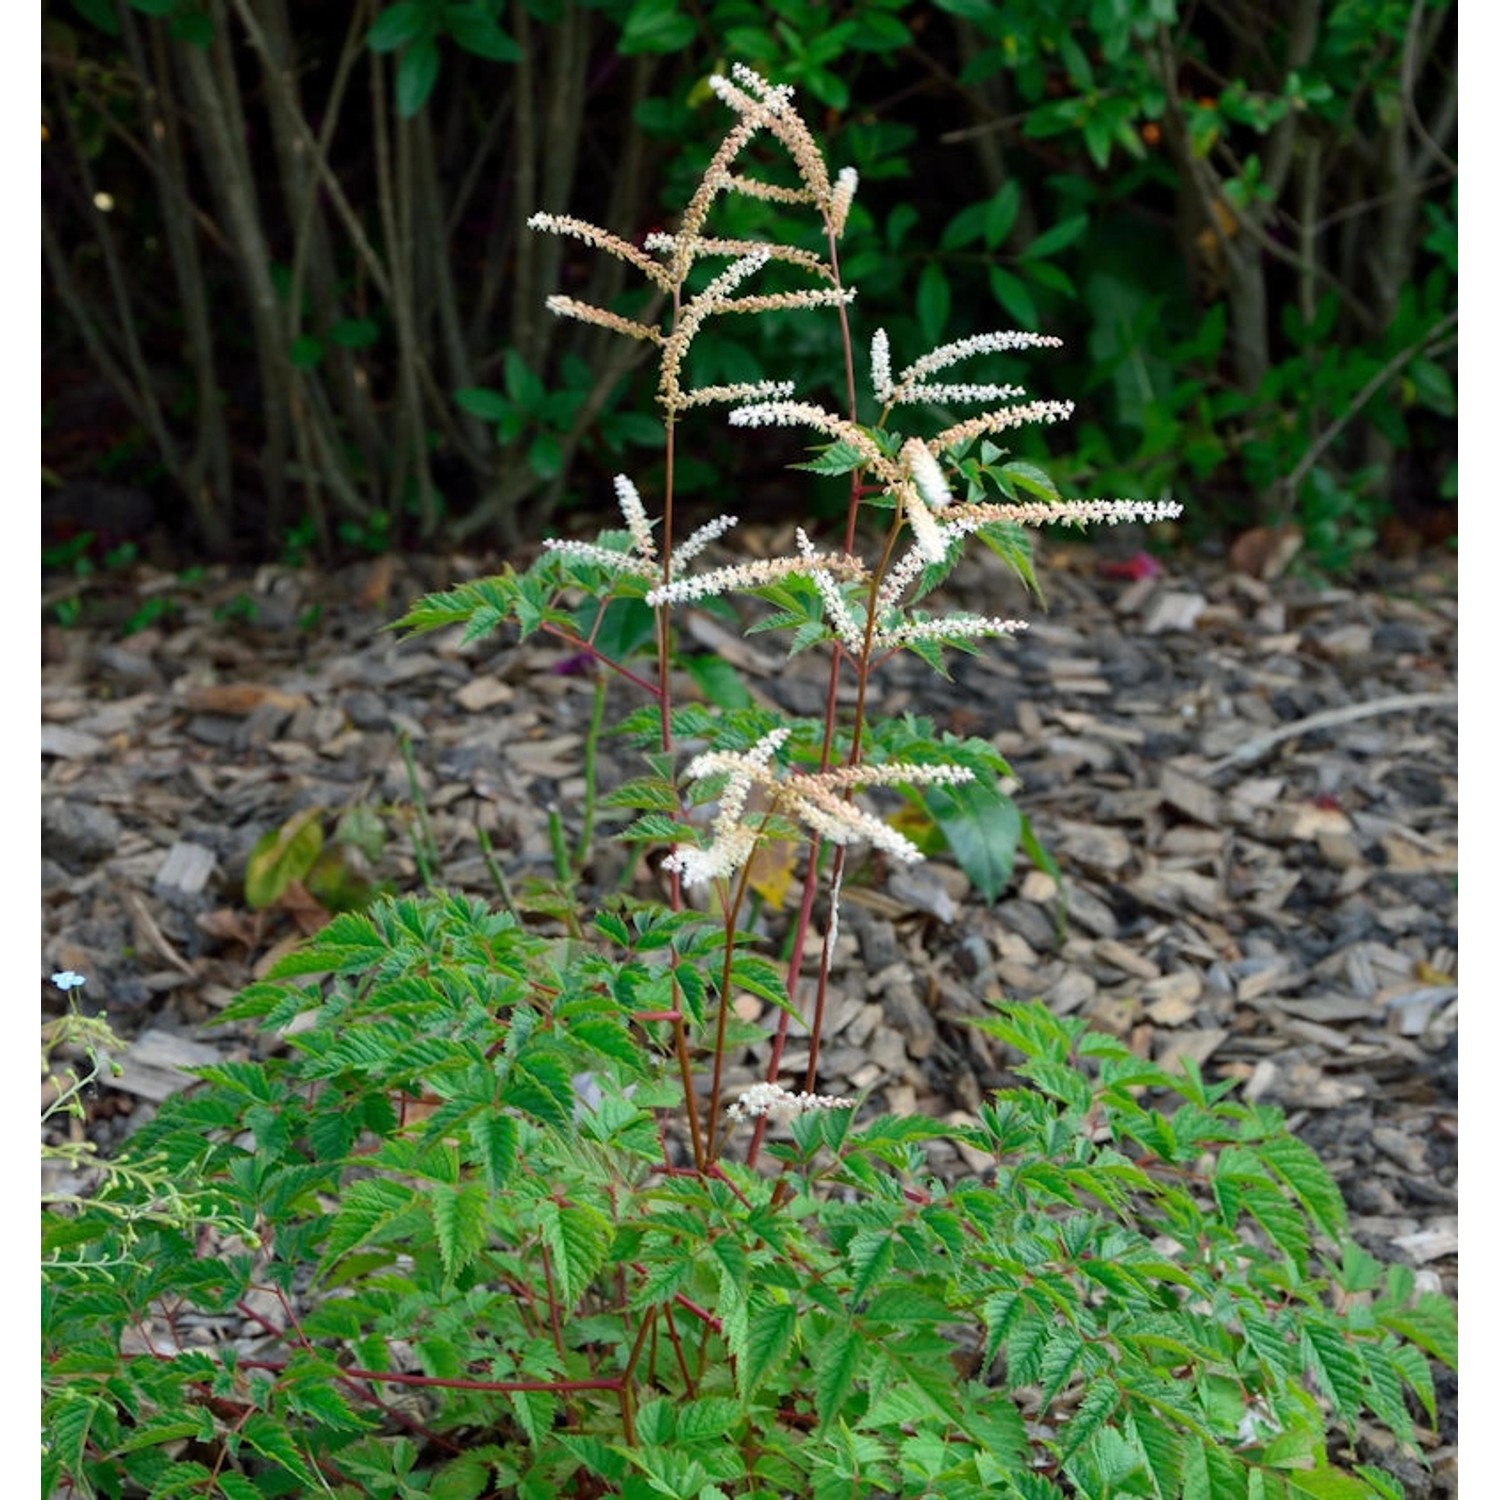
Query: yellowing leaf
{"points": [[282, 856], [771, 869]]}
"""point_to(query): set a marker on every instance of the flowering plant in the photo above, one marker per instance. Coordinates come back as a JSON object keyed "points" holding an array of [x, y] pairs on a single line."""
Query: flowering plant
{"points": [[501, 1171]]}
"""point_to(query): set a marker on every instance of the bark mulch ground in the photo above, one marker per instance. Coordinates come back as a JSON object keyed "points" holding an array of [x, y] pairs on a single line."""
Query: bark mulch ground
{"points": [[1249, 788]]}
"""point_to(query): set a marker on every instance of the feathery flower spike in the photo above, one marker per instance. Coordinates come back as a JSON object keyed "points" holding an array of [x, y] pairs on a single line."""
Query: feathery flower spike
{"points": [[601, 239], [927, 474], [880, 367], [979, 343], [844, 190], [762, 1099], [835, 607], [635, 517], [818, 798], [998, 421], [930, 539]]}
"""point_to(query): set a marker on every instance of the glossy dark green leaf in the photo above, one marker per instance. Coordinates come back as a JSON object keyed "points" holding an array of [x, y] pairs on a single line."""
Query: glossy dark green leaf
{"points": [[403, 22], [416, 74]]}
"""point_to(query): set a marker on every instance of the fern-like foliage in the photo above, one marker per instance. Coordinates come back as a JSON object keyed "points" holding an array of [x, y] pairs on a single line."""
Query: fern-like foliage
{"points": [[457, 1173]]}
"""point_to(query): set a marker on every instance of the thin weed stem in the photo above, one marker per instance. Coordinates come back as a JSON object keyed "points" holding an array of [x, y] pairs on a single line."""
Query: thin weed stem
{"points": [[424, 846], [590, 776], [497, 874]]}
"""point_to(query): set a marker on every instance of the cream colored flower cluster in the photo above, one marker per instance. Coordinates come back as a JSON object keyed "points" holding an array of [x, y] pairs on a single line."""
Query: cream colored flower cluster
{"points": [[640, 557], [819, 799], [912, 387], [668, 259], [770, 1099]]}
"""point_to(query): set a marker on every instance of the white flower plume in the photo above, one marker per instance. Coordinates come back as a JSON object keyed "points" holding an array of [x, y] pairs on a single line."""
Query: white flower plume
{"points": [[771, 1099], [640, 557], [818, 799]]}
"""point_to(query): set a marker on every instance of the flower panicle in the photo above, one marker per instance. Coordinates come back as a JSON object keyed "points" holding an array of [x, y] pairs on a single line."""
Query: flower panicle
{"points": [[849, 629], [635, 517], [950, 627], [927, 474], [663, 243], [1000, 419], [767, 192], [880, 368], [844, 188], [819, 799], [751, 97], [640, 557], [586, 312], [717, 291], [774, 97], [929, 539], [742, 577], [762, 1100], [709, 532], [969, 518], [806, 414], [776, 301], [895, 773], [604, 557], [601, 239], [945, 395], [750, 390], [978, 343], [898, 578]]}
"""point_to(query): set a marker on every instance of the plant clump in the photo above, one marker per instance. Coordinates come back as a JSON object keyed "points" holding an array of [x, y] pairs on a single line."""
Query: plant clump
{"points": [[491, 1219]]}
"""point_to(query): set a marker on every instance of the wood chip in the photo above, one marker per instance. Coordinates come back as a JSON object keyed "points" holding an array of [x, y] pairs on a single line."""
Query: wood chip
{"points": [[1198, 1045], [481, 693], [1308, 820], [1432, 1243], [545, 757], [1173, 999], [1096, 847], [153, 1066], [1108, 951], [1189, 795], [240, 699], [1172, 611], [70, 744], [186, 869]]}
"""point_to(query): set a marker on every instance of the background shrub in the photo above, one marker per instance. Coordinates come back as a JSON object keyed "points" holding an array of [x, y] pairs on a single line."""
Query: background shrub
{"points": [[290, 290]]}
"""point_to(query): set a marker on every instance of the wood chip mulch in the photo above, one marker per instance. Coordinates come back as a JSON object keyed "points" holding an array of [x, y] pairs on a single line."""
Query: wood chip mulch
{"points": [[1250, 790]]}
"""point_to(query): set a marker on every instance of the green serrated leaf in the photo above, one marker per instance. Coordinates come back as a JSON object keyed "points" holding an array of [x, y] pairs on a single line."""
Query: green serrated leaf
{"points": [[837, 458], [762, 979], [579, 1238], [836, 1359], [1336, 1367], [719, 683], [460, 1216], [646, 792], [1297, 1165], [982, 827], [768, 1337], [272, 1441]]}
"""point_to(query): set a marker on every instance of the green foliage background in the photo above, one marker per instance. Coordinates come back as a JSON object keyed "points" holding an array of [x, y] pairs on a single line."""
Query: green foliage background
{"points": [[312, 312]]}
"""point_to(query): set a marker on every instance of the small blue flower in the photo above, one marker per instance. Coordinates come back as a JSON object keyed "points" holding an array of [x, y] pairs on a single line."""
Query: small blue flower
{"points": [[66, 979]]}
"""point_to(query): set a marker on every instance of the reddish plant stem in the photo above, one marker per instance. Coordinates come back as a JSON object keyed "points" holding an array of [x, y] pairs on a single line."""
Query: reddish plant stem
{"points": [[577, 642], [554, 1312], [830, 727], [690, 1098], [690, 1386]]}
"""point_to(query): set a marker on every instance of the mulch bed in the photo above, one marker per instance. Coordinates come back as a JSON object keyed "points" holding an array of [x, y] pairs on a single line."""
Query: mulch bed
{"points": [[1249, 788]]}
